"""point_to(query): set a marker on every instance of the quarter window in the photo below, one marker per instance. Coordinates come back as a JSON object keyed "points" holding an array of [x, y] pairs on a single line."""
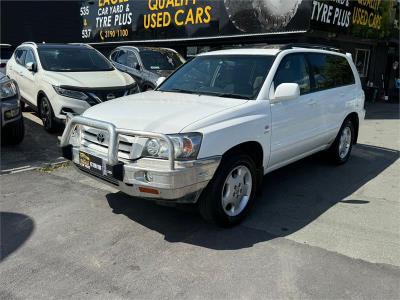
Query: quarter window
{"points": [[29, 57], [294, 69]]}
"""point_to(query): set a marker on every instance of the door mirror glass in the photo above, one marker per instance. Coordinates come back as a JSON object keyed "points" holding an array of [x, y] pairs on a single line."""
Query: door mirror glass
{"points": [[31, 66], [287, 91], [160, 80], [136, 66]]}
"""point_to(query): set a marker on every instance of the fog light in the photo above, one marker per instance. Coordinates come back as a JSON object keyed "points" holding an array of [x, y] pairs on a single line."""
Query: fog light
{"points": [[12, 113], [148, 176]]}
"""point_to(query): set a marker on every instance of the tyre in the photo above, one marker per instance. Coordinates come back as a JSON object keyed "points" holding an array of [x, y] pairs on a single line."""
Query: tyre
{"points": [[14, 133], [47, 115], [23, 105], [340, 151], [229, 196]]}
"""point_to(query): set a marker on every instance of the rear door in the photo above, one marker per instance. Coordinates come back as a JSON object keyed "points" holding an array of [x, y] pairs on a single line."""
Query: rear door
{"points": [[333, 86], [27, 78], [295, 123]]}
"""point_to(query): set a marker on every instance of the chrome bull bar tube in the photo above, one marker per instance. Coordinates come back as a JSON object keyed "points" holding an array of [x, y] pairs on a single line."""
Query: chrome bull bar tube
{"points": [[113, 137]]}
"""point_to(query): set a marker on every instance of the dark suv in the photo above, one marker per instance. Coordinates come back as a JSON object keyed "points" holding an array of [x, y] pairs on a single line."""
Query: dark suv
{"points": [[146, 64]]}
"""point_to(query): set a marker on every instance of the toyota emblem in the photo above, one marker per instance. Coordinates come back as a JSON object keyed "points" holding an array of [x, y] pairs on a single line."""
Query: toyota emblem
{"points": [[110, 96], [100, 138]]}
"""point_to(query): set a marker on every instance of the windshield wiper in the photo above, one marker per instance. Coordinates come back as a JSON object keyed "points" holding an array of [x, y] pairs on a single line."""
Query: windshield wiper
{"points": [[236, 96], [229, 95], [179, 91]]}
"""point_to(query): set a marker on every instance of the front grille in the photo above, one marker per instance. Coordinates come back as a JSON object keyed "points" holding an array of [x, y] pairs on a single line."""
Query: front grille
{"points": [[89, 139], [98, 96]]}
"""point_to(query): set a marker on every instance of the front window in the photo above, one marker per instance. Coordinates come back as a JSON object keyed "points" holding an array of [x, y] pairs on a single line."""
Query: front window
{"points": [[161, 59], [73, 60], [232, 76]]}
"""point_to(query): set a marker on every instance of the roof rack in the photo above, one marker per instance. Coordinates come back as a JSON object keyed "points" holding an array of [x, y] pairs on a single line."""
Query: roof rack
{"points": [[29, 43], [310, 46]]}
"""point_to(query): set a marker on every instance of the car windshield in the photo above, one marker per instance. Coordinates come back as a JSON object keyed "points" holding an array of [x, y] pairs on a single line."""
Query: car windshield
{"points": [[73, 60], [232, 76], [161, 59]]}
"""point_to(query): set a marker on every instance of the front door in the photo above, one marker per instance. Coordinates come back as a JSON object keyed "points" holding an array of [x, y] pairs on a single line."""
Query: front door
{"points": [[27, 79], [295, 123]]}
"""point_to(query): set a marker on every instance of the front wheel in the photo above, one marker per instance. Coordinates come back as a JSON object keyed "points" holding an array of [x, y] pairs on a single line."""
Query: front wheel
{"points": [[340, 150], [229, 196], [47, 115]]}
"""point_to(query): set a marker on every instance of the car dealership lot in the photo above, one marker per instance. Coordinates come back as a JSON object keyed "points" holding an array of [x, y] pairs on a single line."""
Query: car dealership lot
{"points": [[318, 231]]}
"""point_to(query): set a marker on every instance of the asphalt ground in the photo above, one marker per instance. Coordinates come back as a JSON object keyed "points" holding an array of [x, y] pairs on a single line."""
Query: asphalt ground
{"points": [[317, 232]]}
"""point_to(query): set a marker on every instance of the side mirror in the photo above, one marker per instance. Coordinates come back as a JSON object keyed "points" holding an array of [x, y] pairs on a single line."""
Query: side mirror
{"points": [[136, 66], [31, 66], [287, 91], [160, 80]]}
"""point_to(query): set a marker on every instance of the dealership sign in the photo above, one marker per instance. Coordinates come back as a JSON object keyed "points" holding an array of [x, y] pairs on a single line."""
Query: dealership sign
{"points": [[127, 20]]}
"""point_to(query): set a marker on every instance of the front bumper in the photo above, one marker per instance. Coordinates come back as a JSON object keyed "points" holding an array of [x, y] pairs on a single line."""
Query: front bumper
{"points": [[169, 180]]}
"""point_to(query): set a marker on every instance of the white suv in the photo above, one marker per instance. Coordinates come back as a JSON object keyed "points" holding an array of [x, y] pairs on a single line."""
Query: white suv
{"points": [[210, 132], [58, 79]]}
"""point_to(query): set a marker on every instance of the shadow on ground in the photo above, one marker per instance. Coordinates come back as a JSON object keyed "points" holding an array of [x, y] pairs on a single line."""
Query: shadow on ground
{"points": [[15, 229], [293, 197], [38, 147]]}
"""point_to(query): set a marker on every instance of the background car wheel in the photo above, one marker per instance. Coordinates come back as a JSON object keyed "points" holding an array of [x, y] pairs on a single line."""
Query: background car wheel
{"points": [[23, 105], [340, 150], [47, 115], [13, 134], [229, 196]]}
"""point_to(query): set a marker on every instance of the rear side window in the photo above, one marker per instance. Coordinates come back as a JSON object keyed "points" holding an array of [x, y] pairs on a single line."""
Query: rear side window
{"points": [[330, 71], [20, 56], [29, 57], [294, 69]]}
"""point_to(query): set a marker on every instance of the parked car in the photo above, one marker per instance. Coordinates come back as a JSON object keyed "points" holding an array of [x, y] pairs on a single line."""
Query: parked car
{"points": [[146, 65], [12, 122], [209, 133], [61, 79], [5, 54]]}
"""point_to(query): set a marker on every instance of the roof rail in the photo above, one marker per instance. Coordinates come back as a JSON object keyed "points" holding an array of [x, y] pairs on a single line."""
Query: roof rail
{"points": [[29, 43], [310, 46]]}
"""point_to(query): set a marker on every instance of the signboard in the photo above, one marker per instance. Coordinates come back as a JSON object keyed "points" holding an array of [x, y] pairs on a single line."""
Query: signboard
{"points": [[127, 20], [151, 20]]}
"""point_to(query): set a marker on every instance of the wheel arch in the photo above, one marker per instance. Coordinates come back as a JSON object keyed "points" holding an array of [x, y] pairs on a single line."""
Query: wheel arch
{"points": [[39, 98], [353, 117]]}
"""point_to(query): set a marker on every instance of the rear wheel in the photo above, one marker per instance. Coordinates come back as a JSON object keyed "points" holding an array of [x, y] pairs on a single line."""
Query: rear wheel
{"points": [[340, 150], [229, 196], [47, 115]]}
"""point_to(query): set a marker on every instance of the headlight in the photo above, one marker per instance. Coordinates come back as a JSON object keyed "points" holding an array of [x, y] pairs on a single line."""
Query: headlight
{"points": [[12, 113], [8, 89], [70, 93], [186, 146], [132, 90]]}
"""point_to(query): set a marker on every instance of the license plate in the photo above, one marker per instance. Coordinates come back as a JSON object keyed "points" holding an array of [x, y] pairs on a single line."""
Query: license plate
{"points": [[95, 165]]}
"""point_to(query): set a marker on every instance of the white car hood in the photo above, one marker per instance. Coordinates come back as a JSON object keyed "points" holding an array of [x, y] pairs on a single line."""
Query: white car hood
{"points": [[160, 112], [89, 79]]}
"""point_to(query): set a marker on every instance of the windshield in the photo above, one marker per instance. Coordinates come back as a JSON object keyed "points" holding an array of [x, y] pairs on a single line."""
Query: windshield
{"points": [[73, 60], [232, 76], [161, 59]]}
